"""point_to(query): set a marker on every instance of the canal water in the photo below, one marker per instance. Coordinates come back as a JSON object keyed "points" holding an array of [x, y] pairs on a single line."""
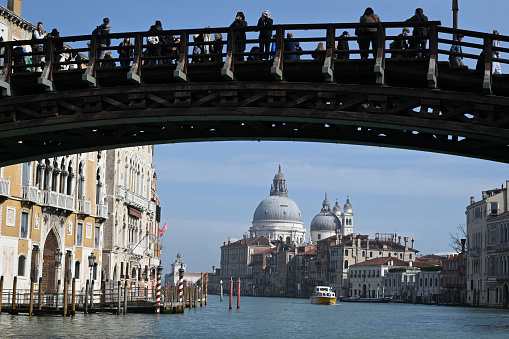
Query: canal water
{"points": [[272, 317]]}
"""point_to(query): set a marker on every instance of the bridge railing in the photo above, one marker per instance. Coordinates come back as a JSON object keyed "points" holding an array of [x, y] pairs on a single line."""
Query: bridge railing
{"points": [[180, 50]]}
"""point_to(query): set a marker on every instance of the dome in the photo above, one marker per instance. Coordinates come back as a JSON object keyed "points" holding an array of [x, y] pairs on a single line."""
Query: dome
{"points": [[336, 209], [276, 208], [325, 221], [348, 207]]}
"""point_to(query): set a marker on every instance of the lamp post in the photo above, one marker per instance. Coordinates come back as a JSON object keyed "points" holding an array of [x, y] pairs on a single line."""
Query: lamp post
{"points": [[58, 263], [91, 263]]}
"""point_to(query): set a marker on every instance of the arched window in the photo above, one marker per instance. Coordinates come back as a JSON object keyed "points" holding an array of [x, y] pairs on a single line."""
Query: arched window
{"points": [[21, 265], [77, 272]]}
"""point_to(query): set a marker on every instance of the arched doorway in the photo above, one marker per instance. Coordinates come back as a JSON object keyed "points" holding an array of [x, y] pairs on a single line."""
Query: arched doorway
{"points": [[48, 265]]}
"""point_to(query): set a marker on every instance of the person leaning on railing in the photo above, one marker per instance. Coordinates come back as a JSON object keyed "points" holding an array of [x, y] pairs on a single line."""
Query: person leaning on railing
{"points": [[369, 17], [455, 60], [240, 47]]}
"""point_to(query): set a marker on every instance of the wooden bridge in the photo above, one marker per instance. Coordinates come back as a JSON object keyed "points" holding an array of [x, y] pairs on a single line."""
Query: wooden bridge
{"points": [[418, 102]]}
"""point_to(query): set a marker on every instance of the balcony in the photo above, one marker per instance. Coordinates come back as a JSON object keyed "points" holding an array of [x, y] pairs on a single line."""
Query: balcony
{"points": [[120, 192], [84, 207], [136, 250], [101, 211], [30, 194], [136, 200], [58, 200], [5, 188]]}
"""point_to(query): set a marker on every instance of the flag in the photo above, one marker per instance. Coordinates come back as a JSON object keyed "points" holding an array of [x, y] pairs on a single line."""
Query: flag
{"points": [[162, 230]]}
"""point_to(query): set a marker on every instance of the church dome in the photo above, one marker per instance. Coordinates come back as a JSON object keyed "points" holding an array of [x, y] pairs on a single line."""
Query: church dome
{"points": [[277, 208], [325, 220], [336, 209], [348, 207]]}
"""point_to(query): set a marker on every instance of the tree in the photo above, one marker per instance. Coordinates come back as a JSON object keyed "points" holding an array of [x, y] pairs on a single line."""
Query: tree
{"points": [[460, 233]]}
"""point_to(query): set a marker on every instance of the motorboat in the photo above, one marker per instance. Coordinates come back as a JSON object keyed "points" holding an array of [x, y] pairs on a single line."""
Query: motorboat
{"points": [[323, 295]]}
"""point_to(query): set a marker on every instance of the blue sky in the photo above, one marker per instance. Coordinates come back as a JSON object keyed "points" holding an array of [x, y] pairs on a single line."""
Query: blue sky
{"points": [[209, 191]]}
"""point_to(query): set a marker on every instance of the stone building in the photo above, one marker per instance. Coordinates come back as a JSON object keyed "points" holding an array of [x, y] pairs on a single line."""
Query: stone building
{"points": [[328, 223], [483, 251], [52, 220], [497, 254], [12, 25], [366, 279], [131, 249]]}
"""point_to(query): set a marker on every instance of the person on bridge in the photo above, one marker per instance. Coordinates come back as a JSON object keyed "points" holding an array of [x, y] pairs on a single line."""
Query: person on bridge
{"points": [[417, 42], [265, 34], [38, 34], [369, 17], [455, 60], [126, 52], [217, 47], [319, 52], [240, 36], [153, 42], [105, 28], [343, 46], [290, 46], [400, 44]]}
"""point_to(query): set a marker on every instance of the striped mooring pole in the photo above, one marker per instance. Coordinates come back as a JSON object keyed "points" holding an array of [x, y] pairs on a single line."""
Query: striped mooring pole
{"points": [[181, 283], [158, 288]]}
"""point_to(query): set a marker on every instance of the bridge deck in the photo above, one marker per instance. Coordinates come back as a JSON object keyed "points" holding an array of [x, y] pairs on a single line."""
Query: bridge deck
{"points": [[414, 103]]}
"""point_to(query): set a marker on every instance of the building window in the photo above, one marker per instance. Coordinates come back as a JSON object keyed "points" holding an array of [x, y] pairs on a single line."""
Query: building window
{"points": [[96, 236], [79, 234], [23, 233], [77, 265], [21, 266], [346, 252]]}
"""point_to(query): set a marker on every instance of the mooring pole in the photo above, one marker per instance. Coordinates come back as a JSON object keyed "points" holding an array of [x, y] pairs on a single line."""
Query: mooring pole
{"points": [[92, 294], [119, 296], [206, 287], [87, 286], [126, 287], [158, 288], [73, 309], [40, 293], [231, 292], [66, 290], [31, 307], [238, 293], [1, 291], [57, 301], [14, 286]]}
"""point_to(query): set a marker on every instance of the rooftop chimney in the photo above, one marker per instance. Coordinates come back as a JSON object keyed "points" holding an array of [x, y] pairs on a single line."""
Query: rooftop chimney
{"points": [[359, 242], [412, 243], [484, 195], [367, 242], [213, 269], [15, 6], [463, 241], [399, 239], [406, 243], [472, 200]]}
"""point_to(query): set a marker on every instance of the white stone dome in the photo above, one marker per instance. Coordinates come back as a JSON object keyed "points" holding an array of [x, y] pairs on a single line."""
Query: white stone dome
{"points": [[277, 208]]}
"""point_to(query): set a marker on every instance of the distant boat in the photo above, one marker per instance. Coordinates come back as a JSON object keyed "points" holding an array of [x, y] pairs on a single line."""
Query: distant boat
{"points": [[323, 295], [368, 300]]}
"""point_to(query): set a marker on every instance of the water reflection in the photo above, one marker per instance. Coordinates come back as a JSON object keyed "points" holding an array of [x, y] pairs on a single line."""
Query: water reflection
{"points": [[274, 317]]}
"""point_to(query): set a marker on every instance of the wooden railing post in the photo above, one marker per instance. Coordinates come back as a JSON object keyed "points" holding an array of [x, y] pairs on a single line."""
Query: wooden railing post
{"points": [[486, 84], [89, 76], [46, 77], [277, 67], [134, 74], [31, 305], [227, 70], [380, 55], [180, 71], [328, 65], [39, 294], [432, 74]]}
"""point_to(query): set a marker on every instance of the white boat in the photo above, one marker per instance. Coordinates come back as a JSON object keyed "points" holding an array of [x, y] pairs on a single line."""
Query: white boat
{"points": [[323, 295]]}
